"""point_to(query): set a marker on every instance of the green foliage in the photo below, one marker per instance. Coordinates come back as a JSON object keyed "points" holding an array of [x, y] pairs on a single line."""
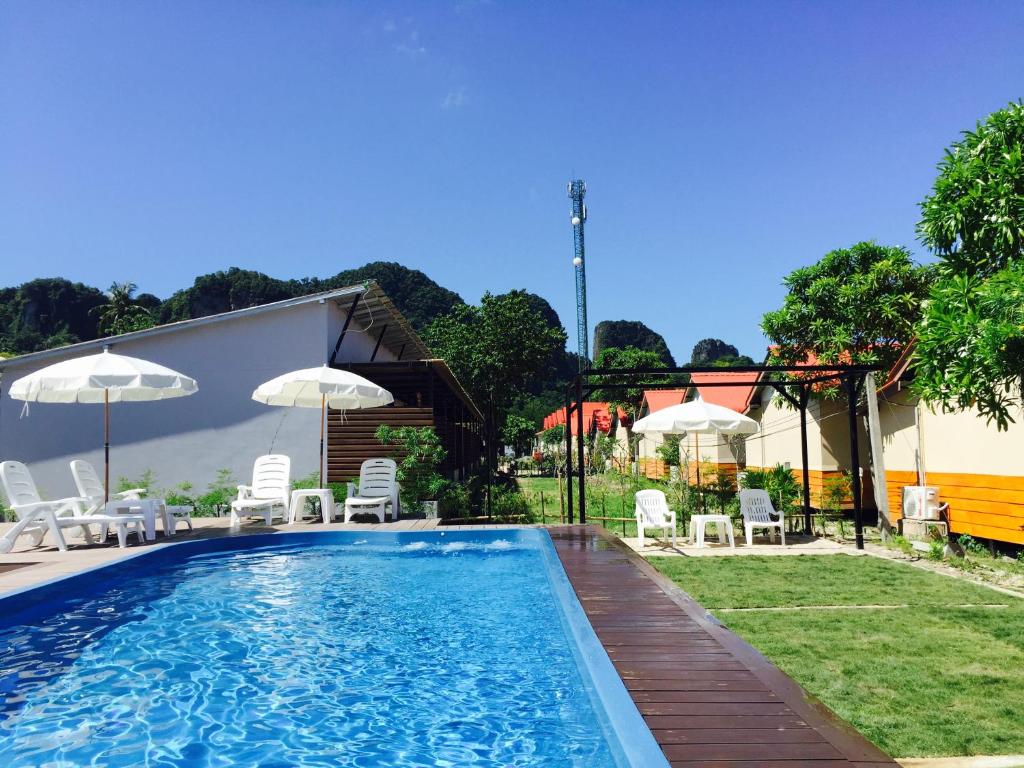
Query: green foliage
{"points": [[219, 494], [834, 491], [971, 340], [668, 451], [857, 305], [970, 347], [146, 481], [455, 501], [601, 451], [338, 490], [496, 350], [974, 217], [629, 399], [509, 505], [936, 549], [122, 313], [971, 545], [778, 481], [517, 433], [631, 333], [420, 454], [46, 313], [553, 436]]}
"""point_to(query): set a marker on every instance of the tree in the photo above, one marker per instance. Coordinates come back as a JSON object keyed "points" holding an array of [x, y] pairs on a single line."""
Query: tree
{"points": [[970, 349], [47, 313], [630, 333], [496, 350], [857, 304], [518, 433], [121, 313], [627, 396], [717, 352]]}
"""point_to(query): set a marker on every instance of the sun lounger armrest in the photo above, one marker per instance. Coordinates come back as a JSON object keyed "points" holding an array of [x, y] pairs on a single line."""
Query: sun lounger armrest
{"points": [[351, 490], [244, 492]]}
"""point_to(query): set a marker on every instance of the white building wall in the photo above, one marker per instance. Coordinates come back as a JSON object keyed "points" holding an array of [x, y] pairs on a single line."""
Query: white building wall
{"points": [[190, 438]]}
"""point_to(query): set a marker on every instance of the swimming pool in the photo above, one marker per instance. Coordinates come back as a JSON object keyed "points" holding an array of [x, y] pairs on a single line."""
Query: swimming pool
{"points": [[315, 649]]}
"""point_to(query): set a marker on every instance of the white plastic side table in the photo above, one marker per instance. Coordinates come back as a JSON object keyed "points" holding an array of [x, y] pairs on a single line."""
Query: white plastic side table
{"points": [[298, 503], [723, 524]]}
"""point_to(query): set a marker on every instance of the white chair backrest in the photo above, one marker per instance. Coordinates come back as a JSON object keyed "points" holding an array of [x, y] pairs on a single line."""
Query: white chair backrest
{"points": [[651, 506], [271, 477], [86, 479], [19, 486], [377, 478], [756, 505]]}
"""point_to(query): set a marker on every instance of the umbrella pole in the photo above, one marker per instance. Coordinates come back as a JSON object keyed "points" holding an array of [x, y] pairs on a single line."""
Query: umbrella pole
{"points": [[700, 492], [323, 408], [106, 445]]}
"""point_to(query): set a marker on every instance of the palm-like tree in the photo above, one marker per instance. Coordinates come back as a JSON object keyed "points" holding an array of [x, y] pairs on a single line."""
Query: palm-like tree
{"points": [[122, 314]]}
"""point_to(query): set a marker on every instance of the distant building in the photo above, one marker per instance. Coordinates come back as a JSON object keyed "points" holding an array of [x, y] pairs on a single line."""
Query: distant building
{"points": [[230, 354]]}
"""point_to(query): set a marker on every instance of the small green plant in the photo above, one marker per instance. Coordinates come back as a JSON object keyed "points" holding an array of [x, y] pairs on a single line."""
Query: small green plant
{"points": [[219, 495], [668, 451], [936, 549], [421, 453], [971, 545], [834, 491], [510, 505], [146, 481], [900, 544], [455, 501]]}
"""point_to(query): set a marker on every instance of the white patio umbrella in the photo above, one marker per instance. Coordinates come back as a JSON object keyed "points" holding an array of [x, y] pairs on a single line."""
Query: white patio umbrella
{"points": [[698, 417], [319, 388], [103, 378]]}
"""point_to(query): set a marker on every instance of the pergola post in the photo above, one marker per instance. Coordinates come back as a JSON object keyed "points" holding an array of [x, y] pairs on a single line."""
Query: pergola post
{"points": [[850, 383], [568, 456], [579, 450], [805, 396]]}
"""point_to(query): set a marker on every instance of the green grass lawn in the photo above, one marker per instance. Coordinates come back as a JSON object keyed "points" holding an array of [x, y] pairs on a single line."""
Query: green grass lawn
{"points": [[935, 678]]}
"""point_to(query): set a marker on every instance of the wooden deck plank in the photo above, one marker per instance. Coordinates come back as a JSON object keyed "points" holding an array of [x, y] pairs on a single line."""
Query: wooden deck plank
{"points": [[709, 698]]}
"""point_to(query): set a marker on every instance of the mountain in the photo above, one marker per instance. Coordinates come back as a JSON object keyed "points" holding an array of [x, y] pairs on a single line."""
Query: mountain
{"points": [[48, 312], [631, 333], [51, 312], [717, 352]]}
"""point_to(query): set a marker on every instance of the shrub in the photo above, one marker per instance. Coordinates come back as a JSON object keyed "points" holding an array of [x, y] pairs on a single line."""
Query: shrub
{"points": [[509, 505], [417, 469], [455, 501]]}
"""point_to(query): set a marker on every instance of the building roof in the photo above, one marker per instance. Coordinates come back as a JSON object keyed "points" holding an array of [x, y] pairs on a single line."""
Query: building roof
{"points": [[374, 306], [735, 398], [900, 371], [595, 416], [657, 399]]}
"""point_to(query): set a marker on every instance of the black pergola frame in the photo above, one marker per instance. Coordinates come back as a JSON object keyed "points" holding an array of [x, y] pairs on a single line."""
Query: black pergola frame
{"points": [[796, 391]]}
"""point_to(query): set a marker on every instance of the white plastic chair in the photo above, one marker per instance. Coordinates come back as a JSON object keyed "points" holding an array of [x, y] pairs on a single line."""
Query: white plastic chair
{"points": [[269, 495], [652, 512], [758, 512], [36, 517], [378, 489], [89, 486]]}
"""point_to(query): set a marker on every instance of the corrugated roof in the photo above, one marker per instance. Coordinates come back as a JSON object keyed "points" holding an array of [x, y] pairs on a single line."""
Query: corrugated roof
{"points": [[374, 307], [735, 398]]}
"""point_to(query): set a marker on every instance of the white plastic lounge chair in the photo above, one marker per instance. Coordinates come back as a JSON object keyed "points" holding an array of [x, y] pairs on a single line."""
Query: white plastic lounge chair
{"points": [[89, 486], [378, 489], [758, 512], [652, 512], [270, 493], [36, 516]]}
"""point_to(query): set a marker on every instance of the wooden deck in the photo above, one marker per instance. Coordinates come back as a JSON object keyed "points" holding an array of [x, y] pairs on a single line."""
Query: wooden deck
{"points": [[709, 698]]}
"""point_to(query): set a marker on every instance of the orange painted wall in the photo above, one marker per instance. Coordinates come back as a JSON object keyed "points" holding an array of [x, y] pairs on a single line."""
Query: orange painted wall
{"points": [[983, 506]]}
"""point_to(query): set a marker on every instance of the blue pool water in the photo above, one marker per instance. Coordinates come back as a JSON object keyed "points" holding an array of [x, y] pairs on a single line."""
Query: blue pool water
{"points": [[325, 649]]}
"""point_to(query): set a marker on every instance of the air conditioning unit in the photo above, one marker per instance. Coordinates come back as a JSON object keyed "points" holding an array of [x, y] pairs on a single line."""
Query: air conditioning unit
{"points": [[921, 502]]}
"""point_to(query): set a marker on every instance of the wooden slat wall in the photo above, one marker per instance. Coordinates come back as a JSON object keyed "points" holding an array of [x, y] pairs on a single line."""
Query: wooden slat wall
{"points": [[352, 441], [984, 506]]}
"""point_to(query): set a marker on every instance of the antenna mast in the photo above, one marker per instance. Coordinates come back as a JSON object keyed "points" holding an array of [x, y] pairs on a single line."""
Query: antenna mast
{"points": [[577, 190]]}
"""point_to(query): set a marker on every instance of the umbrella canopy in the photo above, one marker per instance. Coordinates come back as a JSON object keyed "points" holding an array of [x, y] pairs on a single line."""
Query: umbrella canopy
{"points": [[319, 388], [105, 377], [311, 387], [696, 416]]}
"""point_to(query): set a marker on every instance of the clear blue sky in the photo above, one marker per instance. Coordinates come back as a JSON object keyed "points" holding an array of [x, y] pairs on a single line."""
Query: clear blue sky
{"points": [[723, 144]]}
